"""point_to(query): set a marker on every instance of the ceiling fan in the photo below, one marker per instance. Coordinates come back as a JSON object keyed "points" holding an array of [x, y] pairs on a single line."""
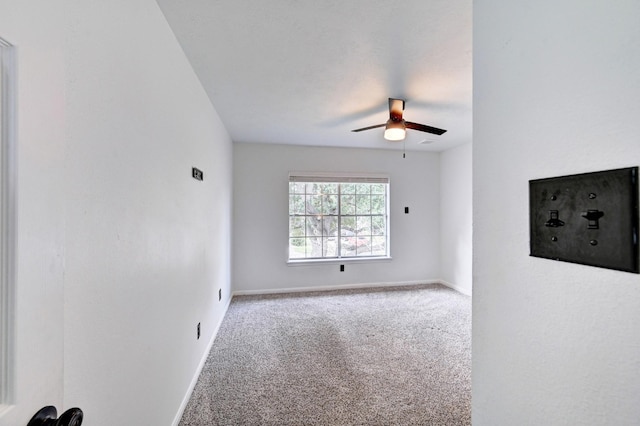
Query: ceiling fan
{"points": [[396, 127]]}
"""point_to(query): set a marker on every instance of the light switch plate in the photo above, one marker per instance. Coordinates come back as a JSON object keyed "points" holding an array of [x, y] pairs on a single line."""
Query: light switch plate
{"points": [[590, 218], [197, 174]]}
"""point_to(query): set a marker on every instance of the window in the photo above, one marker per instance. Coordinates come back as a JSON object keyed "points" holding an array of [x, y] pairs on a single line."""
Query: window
{"points": [[338, 217]]}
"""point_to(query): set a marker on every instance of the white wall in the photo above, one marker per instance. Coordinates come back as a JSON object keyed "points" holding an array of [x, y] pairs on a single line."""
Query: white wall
{"points": [[112, 118], [456, 217], [260, 226], [147, 246], [38, 324], [556, 92]]}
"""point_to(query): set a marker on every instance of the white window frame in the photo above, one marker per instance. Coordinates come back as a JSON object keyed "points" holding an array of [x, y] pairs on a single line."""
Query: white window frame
{"points": [[8, 175], [342, 177]]}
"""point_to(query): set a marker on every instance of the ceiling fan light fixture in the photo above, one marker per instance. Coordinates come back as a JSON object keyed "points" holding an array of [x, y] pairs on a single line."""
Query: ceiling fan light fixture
{"points": [[394, 131]]}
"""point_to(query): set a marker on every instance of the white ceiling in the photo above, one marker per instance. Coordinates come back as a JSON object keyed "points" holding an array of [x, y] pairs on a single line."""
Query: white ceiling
{"points": [[308, 72]]}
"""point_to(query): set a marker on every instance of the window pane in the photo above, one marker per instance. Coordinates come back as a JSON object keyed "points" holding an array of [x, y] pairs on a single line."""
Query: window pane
{"points": [[378, 225], [314, 204], [348, 204], [330, 204], [296, 204], [363, 188], [378, 205], [314, 247], [312, 188], [348, 246], [364, 225], [296, 187], [378, 246], [296, 227], [330, 247], [348, 188], [330, 226], [363, 246], [296, 248], [363, 204], [348, 242], [313, 226], [329, 188], [348, 226], [377, 188]]}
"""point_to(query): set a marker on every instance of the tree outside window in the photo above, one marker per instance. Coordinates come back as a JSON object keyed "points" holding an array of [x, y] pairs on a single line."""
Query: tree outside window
{"points": [[329, 220]]}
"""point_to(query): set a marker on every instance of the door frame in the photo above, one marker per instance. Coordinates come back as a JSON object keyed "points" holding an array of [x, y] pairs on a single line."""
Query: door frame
{"points": [[8, 175]]}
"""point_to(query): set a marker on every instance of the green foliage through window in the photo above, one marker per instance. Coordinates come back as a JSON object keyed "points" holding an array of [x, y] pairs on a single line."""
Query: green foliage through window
{"points": [[338, 220]]}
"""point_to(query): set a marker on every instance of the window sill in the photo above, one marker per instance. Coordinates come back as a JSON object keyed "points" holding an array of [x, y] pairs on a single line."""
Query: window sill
{"points": [[344, 260]]}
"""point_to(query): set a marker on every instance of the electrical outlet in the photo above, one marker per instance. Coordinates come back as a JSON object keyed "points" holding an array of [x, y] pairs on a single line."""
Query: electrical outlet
{"points": [[219, 294], [198, 338], [341, 268], [406, 210]]}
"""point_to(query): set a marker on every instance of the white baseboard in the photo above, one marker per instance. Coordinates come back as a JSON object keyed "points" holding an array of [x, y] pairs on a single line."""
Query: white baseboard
{"points": [[334, 287], [194, 380], [459, 289]]}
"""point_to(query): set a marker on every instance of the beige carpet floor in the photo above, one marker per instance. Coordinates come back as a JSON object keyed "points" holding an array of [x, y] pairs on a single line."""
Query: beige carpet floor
{"points": [[381, 356]]}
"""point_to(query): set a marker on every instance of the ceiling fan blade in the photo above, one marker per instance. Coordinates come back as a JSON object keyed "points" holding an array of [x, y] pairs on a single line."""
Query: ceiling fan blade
{"points": [[396, 107], [370, 127], [424, 128]]}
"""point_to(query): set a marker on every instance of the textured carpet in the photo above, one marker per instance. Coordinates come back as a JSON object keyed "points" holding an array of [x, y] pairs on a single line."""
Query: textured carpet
{"points": [[382, 356]]}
